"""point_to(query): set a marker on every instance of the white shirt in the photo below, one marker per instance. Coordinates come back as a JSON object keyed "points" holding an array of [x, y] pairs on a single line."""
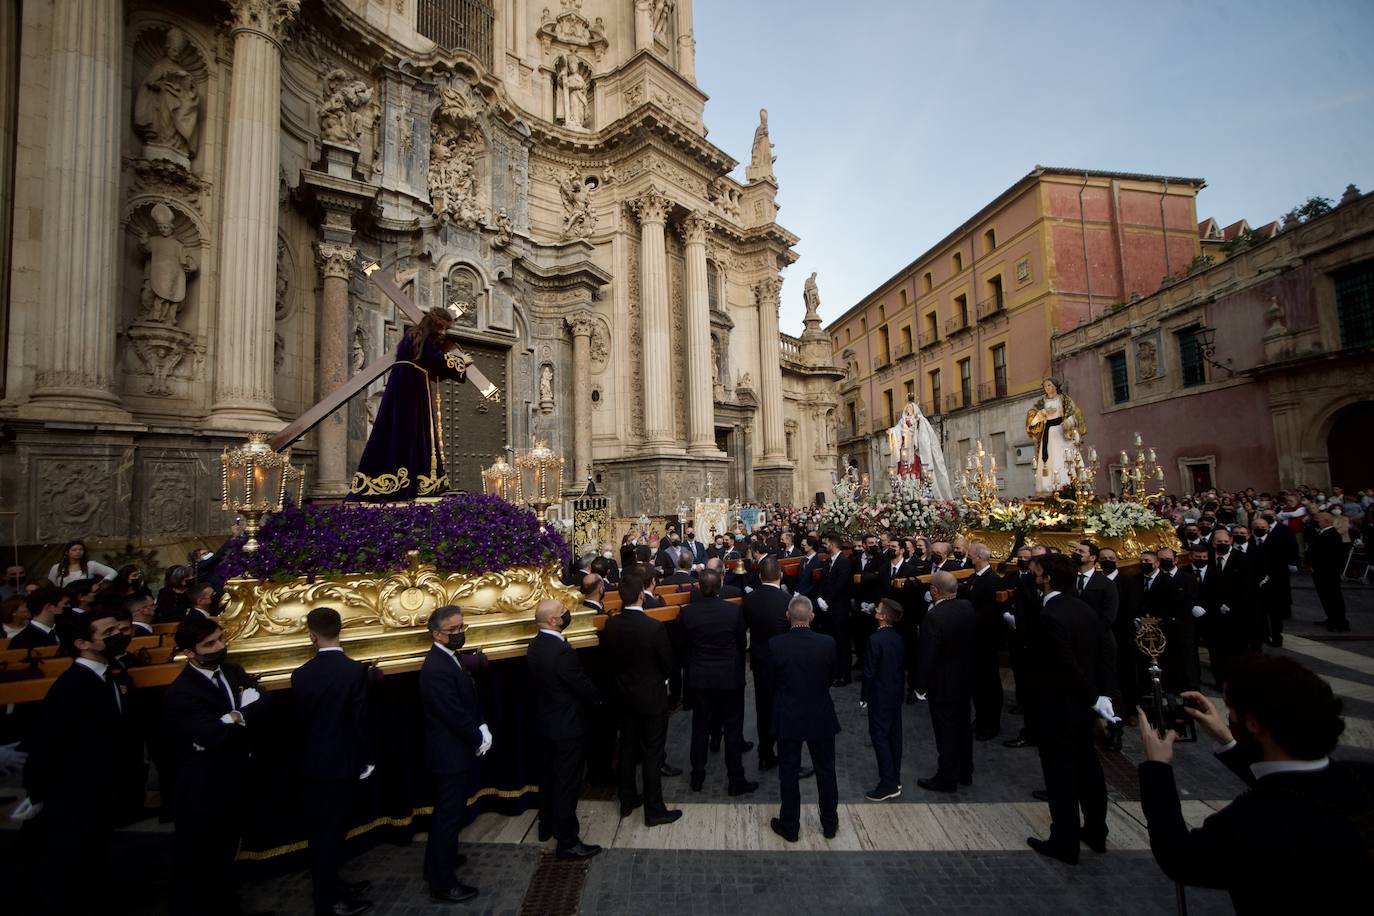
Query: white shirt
{"points": [[35, 622], [979, 572], [1046, 599], [1269, 767], [209, 675], [59, 577], [1111, 576], [330, 649], [553, 633], [595, 604], [11, 632], [100, 668]]}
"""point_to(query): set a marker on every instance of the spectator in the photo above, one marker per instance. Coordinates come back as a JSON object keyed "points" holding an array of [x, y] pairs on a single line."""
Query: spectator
{"points": [[14, 582], [202, 600], [174, 599], [14, 616], [45, 605], [74, 566], [129, 581]]}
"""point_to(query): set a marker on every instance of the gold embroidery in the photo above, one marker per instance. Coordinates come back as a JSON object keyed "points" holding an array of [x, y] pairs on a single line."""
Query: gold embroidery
{"points": [[430, 485], [381, 485], [454, 362]]}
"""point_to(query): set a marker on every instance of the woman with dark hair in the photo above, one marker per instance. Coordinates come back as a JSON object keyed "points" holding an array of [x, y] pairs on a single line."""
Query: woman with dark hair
{"points": [[404, 457], [128, 583], [175, 597], [74, 566]]}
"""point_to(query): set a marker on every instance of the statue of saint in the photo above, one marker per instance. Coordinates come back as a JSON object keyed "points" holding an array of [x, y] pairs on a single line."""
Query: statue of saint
{"points": [[916, 451], [344, 97], [811, 295], [164, 282], [167, 106], [761, 162], [546, 384], [1056, 426], [573, 100]]}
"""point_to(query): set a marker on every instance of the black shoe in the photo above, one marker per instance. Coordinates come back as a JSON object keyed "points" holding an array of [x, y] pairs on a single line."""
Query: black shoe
{"points": [[882, 793], [985, 735], [459, 893], [715, 744], [746, 747], [842, 681], [911, 698], [767, 764], [1096, 842], [806, 773], [1342, 627], [1046, 849], [966, 781], [545, 835], [698, 780], [668, 770], [627, 808], [580, 851], [930, 785], [663, 817], [742, 788], [351, 907], [354, 888], [1041, 795], [1114, 735], [1018, 741], [776, 824], [829, 832]]}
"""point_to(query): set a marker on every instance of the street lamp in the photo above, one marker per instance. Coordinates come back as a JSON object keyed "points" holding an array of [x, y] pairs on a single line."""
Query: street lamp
{"points": [[1206, 339]]}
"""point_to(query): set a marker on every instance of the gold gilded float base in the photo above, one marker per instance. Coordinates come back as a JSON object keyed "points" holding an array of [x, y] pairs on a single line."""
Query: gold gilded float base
{"points": [[1128, 546], [384, 615]]}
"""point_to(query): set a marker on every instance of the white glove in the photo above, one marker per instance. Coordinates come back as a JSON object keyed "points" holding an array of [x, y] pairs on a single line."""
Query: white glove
{"points": [[748, 590], [1011, 621], [367, 771], [1292, 568], [1263, 582], [11, 759], [1225, 608], [1198, 610], [26, 810], [1103, 707], [249, 696], [233, 718], [929, 599], [820, 602], [863, 704], [868, 607], [486, 739]]}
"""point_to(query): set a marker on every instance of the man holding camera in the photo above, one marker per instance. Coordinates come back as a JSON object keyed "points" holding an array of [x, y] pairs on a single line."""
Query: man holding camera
{"points": [[1297, 839]]}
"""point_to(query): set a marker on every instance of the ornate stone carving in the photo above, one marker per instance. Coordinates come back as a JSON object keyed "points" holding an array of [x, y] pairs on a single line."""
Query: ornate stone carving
{"points": [[663, 15], [581, 324], [696, 228], [601, 346], [269, 17], [72, 495], [463, 287], [572, 101], [762, 159], [648, 493], [652, 206], [169, 498], [169, 263], [572, 29], [746, 382], [341, 106], [767, 292], [285, 265], [546, 388], [161, 349], [455, 152], [505, 229], [633, 95], [167, 106], [335, 260], [578, 218]]}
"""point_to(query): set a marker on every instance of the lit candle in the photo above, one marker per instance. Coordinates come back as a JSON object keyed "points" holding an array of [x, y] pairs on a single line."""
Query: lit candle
{"points": [[1152, 456], [1124, 459], [1092, 454], [1138, 442]]}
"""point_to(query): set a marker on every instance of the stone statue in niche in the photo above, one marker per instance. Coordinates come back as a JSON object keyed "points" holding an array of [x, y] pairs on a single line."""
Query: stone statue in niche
{"points": [[746, 381], [455, 147], [505, 229], [572, 98], [546, 388], [341, 104], [762, 159], [358, 355], [663, 12], [167, 106], [169, 263], [715, 361], [578, 218]]}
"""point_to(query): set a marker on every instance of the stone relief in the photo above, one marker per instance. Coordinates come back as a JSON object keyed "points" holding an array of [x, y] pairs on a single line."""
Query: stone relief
{"points": [[662, 17], [600, 346], [463, 290], [169, 263], [633, 95], [505, 229], [572, 101], [572, 29], [1147, 358], [167, 106], [270, 16], [762, 158], [648, 493], [73, 495], [169, 498], [283, 284], [341, 106], [579, 220], [456, 151]]}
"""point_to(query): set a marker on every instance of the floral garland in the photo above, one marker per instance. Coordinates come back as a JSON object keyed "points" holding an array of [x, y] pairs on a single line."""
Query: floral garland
{"points": [[907, 510], [1115, 519]]}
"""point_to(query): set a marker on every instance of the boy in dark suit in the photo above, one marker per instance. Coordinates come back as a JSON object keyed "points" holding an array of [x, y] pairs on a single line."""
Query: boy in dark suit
{"points": [[330, 695]]}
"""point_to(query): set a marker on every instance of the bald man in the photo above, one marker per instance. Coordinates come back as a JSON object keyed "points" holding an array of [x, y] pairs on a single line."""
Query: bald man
{"points": [[565, 698]]}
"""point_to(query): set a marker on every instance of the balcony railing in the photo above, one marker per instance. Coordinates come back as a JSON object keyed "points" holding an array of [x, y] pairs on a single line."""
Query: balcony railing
{"points": [[458, 25], [902, 352], [931, 408], [991, 308], [952, 403], [928, 339], [882, 361], [956, 325], [789, 347], [989, 391]]}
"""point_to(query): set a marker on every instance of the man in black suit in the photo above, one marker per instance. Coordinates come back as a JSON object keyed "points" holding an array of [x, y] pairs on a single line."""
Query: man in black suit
{"points": [[649, 576], [330, 696], [665, 561], [74, 771], [870, 568], [837, 587], [683, 574], [1097, 592], [812, 569], [1021, 621], [695, 547], [140, 608], [1128, 657], [726, 591], [214, 713], [882, 694], [801, 662], [46, 604], [566, 696], [716, 637], [981, 591], [787, 546], [456, 734], [1064, 652], [1226, 591], [1292, 843], [765, 614], [1181, 665], [945, 675], [1276, 557], [641, 656], [1327, 556]]}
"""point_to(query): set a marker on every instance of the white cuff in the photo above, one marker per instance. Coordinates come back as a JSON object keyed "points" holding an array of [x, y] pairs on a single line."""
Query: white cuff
{"points": [[1198, 610]]}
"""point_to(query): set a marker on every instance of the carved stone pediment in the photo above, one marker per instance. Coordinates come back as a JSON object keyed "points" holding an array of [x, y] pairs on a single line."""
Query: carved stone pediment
{"points": [[571, 29]]}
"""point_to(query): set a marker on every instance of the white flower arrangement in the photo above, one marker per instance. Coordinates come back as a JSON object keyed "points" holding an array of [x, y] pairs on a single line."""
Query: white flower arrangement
{"points": [[1115, 519]]}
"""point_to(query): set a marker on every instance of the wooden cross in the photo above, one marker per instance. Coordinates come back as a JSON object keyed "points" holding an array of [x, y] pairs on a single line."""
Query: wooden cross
{"points": [[373, 370]]}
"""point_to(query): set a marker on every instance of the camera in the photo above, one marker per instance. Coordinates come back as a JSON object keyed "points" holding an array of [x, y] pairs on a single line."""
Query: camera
{"points": [[1173, 716]]}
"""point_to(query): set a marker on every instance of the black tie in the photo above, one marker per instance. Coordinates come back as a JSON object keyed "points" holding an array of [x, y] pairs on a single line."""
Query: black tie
{"points": [[1082, 581], [223, 685], [119, 703]]}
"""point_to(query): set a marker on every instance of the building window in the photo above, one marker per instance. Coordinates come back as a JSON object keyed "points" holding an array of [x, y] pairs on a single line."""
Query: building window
{"points": [[887, 407], [848, 335], [1121, 383], [853, 419], [1355, 304], [882, 312], [902, 293], [961, 310], [1190, 358], [458, 25], [928, 282], [958, 262], [910, 385], [906, 338], [933, 327], [934, 391], [965, 382], [863, 324], [999, 370], [989, 240], [884, 347], [995, 303], [712, 286]]}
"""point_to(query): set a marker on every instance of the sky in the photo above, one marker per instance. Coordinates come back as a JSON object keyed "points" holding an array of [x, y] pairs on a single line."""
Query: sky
{"points": [[893, 122]]}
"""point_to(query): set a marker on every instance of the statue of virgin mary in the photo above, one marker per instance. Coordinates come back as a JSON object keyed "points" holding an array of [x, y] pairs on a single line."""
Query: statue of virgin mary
{"points": [[915, 451], [1056, 426]]}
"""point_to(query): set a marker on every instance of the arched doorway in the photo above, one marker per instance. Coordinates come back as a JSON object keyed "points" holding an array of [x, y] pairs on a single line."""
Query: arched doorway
{"points": [[1347, 447]]}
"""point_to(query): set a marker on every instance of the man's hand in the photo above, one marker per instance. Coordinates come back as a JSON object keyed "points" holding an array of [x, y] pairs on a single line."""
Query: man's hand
{"points": [[1199, 610], [1207, 717], [1011, 621], [11, 759], [486, 739], [1160, 750]]}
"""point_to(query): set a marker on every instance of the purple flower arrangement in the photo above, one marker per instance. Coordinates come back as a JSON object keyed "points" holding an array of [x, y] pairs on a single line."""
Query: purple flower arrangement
{"points": [[465, 533]]}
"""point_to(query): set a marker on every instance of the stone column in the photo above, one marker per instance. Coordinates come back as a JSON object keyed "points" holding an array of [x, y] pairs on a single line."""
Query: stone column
{"points": [[336, 266], [770, 370], [580, 323], [75, 373], [701, 431], [248, 252], [686, 41], [644, 24], [652, 208]]}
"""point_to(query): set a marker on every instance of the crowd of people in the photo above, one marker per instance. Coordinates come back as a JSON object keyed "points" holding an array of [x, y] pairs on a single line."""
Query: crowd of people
{"points": [[793, 609]]}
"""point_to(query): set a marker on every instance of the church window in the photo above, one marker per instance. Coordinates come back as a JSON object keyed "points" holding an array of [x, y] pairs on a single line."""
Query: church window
{"points": [[1121, 383], [1190, 358], [458, 25], [1355, 305]]}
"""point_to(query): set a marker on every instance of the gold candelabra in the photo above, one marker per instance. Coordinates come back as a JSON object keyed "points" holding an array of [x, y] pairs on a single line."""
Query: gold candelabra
{"points": [[1083, 475], [1137, 478], [978, 482]]}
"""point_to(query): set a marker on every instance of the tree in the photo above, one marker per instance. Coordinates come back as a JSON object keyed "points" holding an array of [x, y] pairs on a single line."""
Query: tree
{"points": [[1313, 208]]}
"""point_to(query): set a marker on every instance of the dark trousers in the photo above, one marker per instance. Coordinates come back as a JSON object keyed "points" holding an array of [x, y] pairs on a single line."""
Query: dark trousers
{"points": [[1073, 779], [987, 688], [203, 850], [789, 781], [1180, 665], [560, 781], [1331, 597], [1128, 662], [885, 730], [844, 638], [328, 803], [861, 627], [953, 740], [441, 850], [910, 647], [1108, 684], [71, 871], [641, 744], [763, 712], [725, 708]]}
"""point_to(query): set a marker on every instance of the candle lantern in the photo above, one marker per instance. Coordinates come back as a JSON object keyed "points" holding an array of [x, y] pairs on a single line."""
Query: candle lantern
{"points": [[541, 477], [502, 480], [254, 480]]}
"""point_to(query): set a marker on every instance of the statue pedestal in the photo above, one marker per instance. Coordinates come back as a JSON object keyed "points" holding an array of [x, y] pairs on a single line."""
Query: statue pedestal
{"points": [[659, 485], [161, 348]]}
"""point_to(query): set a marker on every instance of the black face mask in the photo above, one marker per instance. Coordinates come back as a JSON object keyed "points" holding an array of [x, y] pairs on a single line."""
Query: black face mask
{"points": [[567, 619], [691, 535], [455, 640], [1108, 566], [1200, 564], [1022, 563], [116, 644], [1240, 540], [1223, 549], [890, 553], [958, 554], [1261, 532], [676, 542], [1192, 534], [1147, 568], [212, 660], [1166, 565]]}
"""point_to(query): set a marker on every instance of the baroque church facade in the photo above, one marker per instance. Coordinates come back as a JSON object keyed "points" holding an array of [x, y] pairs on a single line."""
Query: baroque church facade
{"points": [[192, 191]]}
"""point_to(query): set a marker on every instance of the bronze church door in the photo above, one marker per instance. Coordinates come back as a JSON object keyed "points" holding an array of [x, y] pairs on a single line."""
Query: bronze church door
{"points": [[475, 430]]}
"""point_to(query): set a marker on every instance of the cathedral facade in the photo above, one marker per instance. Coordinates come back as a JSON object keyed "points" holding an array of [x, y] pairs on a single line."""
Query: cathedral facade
{"points": [[192, 192]]}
